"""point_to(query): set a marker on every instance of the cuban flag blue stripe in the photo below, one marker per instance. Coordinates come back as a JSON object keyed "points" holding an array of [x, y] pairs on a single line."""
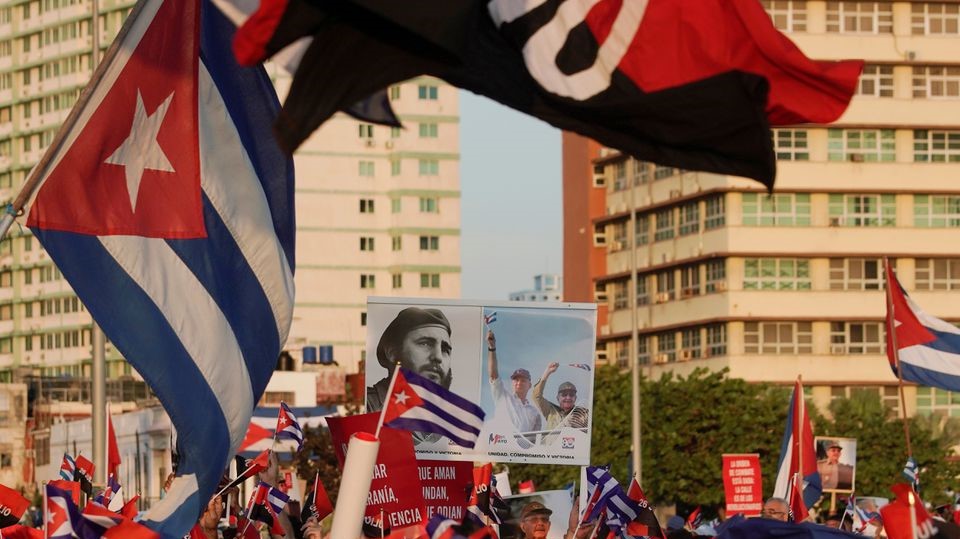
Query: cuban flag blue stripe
{"points": [[946, 342], [252, 104], [928, 377], [453, 421], [455, 400], [158, 355], [424, 425]]}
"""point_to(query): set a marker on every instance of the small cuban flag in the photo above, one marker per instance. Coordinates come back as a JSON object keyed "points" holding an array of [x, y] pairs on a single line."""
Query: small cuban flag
{"points": [[910, 472], [490, 318], [419, 404], [583, 366], [288, 427]]}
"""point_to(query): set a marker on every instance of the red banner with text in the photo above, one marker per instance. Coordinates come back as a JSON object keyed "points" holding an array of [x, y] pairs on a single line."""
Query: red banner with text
{"points": [[743, 484]]}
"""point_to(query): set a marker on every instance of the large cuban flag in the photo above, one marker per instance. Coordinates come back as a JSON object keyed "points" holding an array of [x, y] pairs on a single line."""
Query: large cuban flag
{"points": [[929, 348], [798, 457], [169, 208]]}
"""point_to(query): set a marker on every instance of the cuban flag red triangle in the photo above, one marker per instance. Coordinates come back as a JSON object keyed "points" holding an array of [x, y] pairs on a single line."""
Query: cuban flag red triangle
{"points": [[131, 164]]}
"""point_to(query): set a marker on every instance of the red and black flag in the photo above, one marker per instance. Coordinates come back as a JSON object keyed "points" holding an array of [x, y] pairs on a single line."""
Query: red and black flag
{"points": [[84, 474], [694, 84], [12, 506]]}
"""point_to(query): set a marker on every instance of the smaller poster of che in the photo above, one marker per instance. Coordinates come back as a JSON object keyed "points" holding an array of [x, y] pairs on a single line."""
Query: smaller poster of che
{"points": [[742, 484], [396, 485]]}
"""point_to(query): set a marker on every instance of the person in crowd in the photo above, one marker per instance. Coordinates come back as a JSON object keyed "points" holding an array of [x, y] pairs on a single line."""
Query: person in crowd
{"points": [[523, 414], [535, 521], [565, 413], [834, 520], [573, 532], [833, 474], [675, 522], [776, 509], [419, 340]]}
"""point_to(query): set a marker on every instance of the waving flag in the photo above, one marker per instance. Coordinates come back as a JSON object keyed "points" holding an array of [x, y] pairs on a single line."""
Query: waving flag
{"points": [[68, 467], [796, 448], [929, 348], [481, 506], [276, 498], [287, 426], [61, 514], [583, 366], [84, 474], [896, 515], [12, 506], [419, 404], [95, 520], [694, 519], [689, 83], [169, 209], [317, 501], [490, 318], [113, 451], [110, 497], [911, 471]]}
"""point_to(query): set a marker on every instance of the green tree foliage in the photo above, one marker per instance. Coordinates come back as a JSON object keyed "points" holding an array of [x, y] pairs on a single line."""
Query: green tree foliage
{"points": [[317, 454], [881, 445]]}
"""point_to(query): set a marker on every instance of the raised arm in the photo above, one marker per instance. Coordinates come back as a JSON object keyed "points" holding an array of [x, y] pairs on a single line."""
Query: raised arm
{"points": [[538, 388], [492, 355]]}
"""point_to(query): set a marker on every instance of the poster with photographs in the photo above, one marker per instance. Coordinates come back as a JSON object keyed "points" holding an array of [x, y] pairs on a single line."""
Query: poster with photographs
{"points": [[529, 366], [836, 463]]}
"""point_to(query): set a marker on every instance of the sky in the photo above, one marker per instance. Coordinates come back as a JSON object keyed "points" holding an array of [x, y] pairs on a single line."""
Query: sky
{"points": [[511, 202]]}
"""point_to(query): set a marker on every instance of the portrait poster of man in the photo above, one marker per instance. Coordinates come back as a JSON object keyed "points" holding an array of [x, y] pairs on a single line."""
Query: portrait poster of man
{"points": [[528, 365], [836, 463], [557, 501]]}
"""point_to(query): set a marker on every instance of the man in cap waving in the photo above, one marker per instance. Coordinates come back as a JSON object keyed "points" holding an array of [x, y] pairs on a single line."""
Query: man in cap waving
{"points": [[522, 412], [565, 413]]}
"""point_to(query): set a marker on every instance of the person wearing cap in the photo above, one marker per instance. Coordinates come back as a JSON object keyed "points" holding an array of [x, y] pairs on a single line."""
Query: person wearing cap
{"points": [[535, 521], [833, 474], [524, 415], [565, 413], [419, 340]]}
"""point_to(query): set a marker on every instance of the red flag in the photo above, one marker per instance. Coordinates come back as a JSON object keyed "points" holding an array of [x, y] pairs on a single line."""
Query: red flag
{"points": [[635, 493], [72, 487], [18, 531], [321, 501], [797, 507], [12, 506], [254, 466], [896, 515], [84, 474], [129, 529], [129, 509], [255, 433], [113, 452], [526, 487]]}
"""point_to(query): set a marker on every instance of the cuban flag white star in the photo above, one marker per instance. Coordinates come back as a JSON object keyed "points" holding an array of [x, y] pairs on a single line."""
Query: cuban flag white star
{"points": [[141, 151], [401, 397]]}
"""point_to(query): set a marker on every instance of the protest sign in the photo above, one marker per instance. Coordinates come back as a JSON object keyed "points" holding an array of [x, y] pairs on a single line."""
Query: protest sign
{"points": [[476, 350], [396, 484], [742, 484], [445, 486]]}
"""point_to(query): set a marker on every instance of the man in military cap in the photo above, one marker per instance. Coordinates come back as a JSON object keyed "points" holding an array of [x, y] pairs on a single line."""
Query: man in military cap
{"points": [[535, 521], [419, 339], [523, 414], [833, 474], [565, 413]]}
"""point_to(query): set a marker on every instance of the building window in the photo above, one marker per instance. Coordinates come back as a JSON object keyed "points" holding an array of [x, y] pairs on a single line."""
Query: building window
{"points": [[856, 338], [368, 280], [714, 212], [937, 274], [934, 82], [938, 402], [716, 276], [396, 243], [619, 237], [791, 144], [643, 290], [621, 351], [690, 344], [928, 18], [641, 172], [366, 205], [876, 81], [662, 172], [394, 92], [366, 168], [366, 243], [787, 15], [689, 281], [395, 205], [642, 225], [861, 145], [666, 347], [428, 130], [620, 175], [936, 211], [397, 280], [427, 92], [621, 296], [429, 280], [936, 146], [856, 274], [429, 243], [860, 17], [665, 229], [783, 209], [777, 338], [366, 131], [643, 349], [863, 210], [776, 274], [716, 340], [28, 276], [689, 218], [395, 167], [429, 167], [666, 286], [429, 205]]}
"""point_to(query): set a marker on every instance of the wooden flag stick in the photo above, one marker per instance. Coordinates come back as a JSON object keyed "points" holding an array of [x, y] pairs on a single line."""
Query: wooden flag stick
{"points": [[892, 331]]}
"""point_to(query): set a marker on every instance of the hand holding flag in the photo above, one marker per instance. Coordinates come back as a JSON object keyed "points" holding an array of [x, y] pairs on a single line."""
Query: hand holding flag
{"points": [[288, 427]]}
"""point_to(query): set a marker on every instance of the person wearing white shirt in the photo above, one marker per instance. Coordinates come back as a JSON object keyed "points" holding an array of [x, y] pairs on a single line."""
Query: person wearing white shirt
{"points": [[523, 413]]}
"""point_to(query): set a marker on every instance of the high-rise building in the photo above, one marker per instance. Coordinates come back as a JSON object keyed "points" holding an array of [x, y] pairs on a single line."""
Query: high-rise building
{"points": [[378, 209], [714, 272]]}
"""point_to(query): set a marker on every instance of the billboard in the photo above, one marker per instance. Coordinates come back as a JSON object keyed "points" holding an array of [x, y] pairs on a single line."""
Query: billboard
{"points": [[528, 365]]}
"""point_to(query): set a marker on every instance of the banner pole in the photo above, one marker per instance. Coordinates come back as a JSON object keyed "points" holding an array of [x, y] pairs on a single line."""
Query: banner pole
{"points": [[891, 330]]}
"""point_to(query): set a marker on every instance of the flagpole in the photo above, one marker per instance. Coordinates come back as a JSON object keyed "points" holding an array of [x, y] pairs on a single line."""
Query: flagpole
{"points": [[383, 412], [798, 430], [45, 510], [892, 331]]}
